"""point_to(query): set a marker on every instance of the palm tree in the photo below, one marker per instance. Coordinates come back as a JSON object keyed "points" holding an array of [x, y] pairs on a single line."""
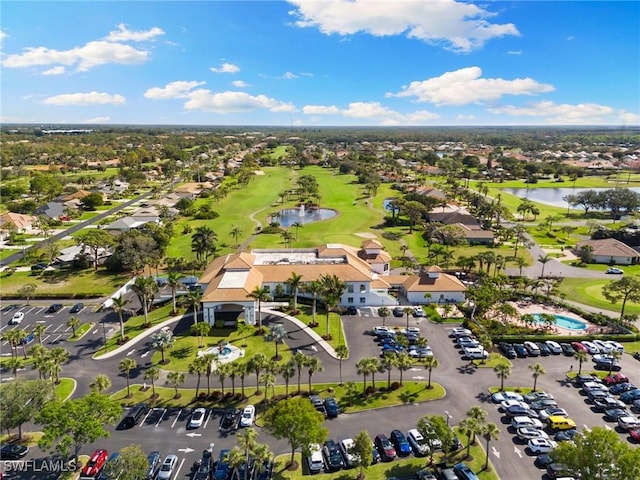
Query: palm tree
{"points": [[14, 364], [403, 363], [222, 371], [198, 367], [73, 323], [101, 383], [294, 285], [236, 231], [315, 288], [469, 427], [152, 373], [389, 360], [544, 259], [126, 366], [260, 294], [580, 356], [383, 312], [288, 371], [161, 341], [314, 365], [299, 359], [536, 370], [479, 415], [333, 289], [257, 364], [39, 331], [243, 369], [286, 237], [57, 356], [277, 334], [268, 379], [503, 370], [430, 362], [363, 369], [39, 354], [192, 300], [201, 330], [407, 311], [13, 337], [173, 280], [489, 432], [175, 379], [119, 305], [342, 352], [615, 355], [145, 288], [203, 243], [297, 226]]}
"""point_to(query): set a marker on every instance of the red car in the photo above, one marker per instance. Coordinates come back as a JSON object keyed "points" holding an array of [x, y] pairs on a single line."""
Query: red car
{"points": [[635, 434], [95, 465], [579, 347], [615, 378]]}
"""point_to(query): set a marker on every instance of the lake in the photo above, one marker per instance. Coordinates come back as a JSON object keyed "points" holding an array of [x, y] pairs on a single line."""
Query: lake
{"points": [[552, 196]]}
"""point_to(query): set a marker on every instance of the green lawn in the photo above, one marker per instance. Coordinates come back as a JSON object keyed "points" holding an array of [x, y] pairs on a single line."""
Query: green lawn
{"points": [[335, 324], [64, 283], [589, 292], [80, 332], [65, 388]]}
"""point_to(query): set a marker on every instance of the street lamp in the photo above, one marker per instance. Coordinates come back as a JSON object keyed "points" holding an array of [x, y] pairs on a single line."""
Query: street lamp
{"points": [[449, 417], [473, 310], [104, 333]]}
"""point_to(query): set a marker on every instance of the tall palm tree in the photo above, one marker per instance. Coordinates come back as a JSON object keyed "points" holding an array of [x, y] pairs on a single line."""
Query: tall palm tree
{"points": [[198, 367], [13, 337], [152, 373], [403, 363], [14, 364], [314, 365], [333, 289], [389, 360], [489, 432], [39, 355], [503, 370], [536, 370], [236, 231], [126, 366], [222, 371], [580, 356], [362, 368], [430, 362], [73, 323], [39, 331], [315, 288], [192, 300], [210, 360], [288, 371], [299, 359], [260, 294], [243, 369], [101, 383], [119, 305], [297, 226], [479, 415], [203, 243], [161, 341], [175, 379], [57, 356], [145, 288], [294, 282], [544, 259], [268, 379], [383, 312], [201, 330], [257, 364], [277, 334], [342, 352], [173, 280]]}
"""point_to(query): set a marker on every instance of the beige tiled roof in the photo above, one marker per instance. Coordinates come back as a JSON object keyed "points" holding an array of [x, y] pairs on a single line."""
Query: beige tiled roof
{"points": [[19, 220], [371, 243], [609, 247], [443, 283]]}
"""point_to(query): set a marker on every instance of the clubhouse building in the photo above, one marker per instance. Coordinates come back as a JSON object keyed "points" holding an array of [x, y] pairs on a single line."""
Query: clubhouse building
{"points": [[229, 279]]}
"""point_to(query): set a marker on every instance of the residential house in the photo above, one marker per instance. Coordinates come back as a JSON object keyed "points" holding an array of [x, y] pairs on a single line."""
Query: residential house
{"points": [[125, 224], [18, 222], [467, 224], [68, 255], [430, 286], [611, 252], [52, 210]]}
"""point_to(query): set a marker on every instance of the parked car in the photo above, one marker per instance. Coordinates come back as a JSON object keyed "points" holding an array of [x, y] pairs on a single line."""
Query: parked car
{"points": [[203, 466], [419, 444], [500, 397], [318, 404], [112, 470], [332, 456], [460, 332], [615, 378], [425, 474], [537, 395], [591, 347], [614, 271], [519, 422], [385, 447], [583, 378], [521, 351], [248, 416], [543, 460], [229, 420], [39, 266], [76, 308], [94, 465], [547, 412], [346, 445], [541, 445], [331, 406], [520, 411], [557, 471], [554, 347], [603, 346], [620, 388], [197, 417], [565, 435], [543, 404], [17, 318], [463, 472], [507, 350], [153, 459], [167, 467], [527, 433], [532, 349], [567, 349], [628, 422], [418, 312], [398, 312], [315, 462], [606, 362], [544, 349], [264, 471], [223, 468], [381, 329], [607, 403], [613, 414], [352, 310], [400, 442], [13, 451], [54, 307]]}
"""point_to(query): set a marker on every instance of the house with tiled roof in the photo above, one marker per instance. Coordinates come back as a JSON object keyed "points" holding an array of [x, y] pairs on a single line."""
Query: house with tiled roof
{"points": [[228, 281], [18, 222], [611, 251]]}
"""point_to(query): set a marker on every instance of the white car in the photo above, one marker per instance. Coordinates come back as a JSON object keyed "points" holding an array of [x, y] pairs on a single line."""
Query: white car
{"points": [[167, 467], [475, 353], [527, 433], [315, 462], [511, 403], [248, 416], [615, 345], [345, 448], [591, 347], [17, 318], [541, 445], [628, 423], [460, 332], [603, 346], [380, 330], [418, 312], [554, 347], [419, 444], [500, 397], [547, 412], [522, 421], [411, 330], [197, 418]]}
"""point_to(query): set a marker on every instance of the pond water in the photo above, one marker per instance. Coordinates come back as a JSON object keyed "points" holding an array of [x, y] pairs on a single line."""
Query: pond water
{"points": [[553, 196], [303, 215]]}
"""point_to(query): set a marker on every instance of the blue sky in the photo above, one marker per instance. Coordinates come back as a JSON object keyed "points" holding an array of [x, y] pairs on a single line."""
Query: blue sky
{"points": [[321, 62]]}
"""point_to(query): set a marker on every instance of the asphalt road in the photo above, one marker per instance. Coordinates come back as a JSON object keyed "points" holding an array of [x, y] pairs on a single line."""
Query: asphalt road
{"points": [[466, 385]]}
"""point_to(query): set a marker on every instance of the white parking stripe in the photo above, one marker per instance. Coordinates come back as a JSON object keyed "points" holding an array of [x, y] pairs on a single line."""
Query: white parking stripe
{"points": [[145, 418], [164, 410], [176, 419], [206, 420], [177, 475]]}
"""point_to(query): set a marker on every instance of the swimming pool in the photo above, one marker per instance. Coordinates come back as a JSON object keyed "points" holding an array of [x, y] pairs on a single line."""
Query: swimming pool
{"points": [[563, 321]]}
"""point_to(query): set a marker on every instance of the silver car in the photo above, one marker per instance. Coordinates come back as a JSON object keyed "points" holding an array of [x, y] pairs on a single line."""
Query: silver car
{"points": [[167, 467]]}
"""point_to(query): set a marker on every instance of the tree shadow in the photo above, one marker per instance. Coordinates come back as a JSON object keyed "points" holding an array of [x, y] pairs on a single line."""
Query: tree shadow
{"points": [[181, 353]]}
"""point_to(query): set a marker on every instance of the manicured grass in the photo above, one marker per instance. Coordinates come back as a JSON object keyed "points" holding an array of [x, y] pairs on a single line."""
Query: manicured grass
{"points": [[589, 292], [80, 332], [29, 439], [521, 390], [64, 283], [494, 360], [409, 392], [65, 388], [335, 324]]}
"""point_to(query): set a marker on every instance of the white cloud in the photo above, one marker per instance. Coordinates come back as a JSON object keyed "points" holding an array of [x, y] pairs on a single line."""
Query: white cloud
{"points": [[227, 102], [3, 35], [178, 89], [461, 27], [123, 34], [55, 71], [84, 57], [514, 52], [465, 86], [372, 111], [465, 117], [226, 68], [567, 114], [239, 84], [82, 99], [570, 38], [289, 76], [97, 120]]}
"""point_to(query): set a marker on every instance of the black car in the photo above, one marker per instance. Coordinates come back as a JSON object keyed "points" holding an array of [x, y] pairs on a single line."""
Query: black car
{"points": [[332, 456], [614, 414], [543, 460], [331, 406], [583, 378], [507, 350], [76, 308], [565, 435], [318, 404], [385, 447], [13, 451], [398, 312], [400, 442], [264, 471], [521, 352], [558, 470], [39, 266], [620, 388], [54, 307], [351, 310], [203, 466], [154, 463], [544, 349], [229, 420], [567, 349]]}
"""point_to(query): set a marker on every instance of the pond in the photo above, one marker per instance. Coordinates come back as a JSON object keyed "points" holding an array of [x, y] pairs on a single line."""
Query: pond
{"points": [[552, 196], [303, 215]]}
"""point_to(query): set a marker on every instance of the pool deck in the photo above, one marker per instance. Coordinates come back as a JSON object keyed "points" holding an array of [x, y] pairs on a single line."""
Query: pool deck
{"points": [[524, 308]]}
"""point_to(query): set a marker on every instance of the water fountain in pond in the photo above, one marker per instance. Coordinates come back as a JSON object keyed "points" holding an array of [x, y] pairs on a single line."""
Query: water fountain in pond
{"points": [[303, 215], [301, 210]]}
